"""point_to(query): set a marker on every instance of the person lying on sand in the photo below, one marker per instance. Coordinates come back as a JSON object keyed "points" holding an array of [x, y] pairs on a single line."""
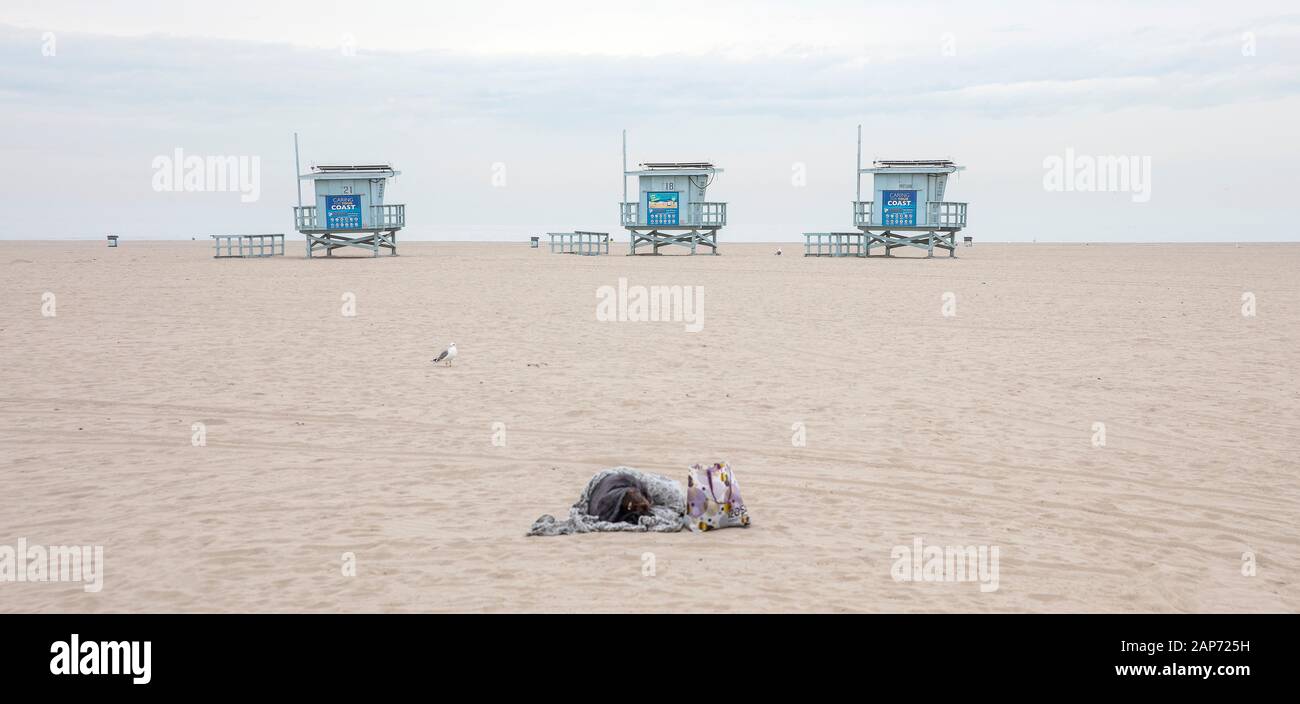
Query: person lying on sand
{"points": [[619, 499]]}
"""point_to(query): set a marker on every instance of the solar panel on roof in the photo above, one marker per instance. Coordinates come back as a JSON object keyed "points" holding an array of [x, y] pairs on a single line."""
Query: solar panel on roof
{"points": [[677, 165], [914, 162], [336, 168]]}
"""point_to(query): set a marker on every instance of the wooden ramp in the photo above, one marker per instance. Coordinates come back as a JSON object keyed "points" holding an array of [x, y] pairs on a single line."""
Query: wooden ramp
{"points": [[247, 246], [833, 244], [579, 242]]}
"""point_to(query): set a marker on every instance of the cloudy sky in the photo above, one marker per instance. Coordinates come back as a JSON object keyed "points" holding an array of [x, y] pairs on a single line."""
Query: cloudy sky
{"points": [[505, 117]]}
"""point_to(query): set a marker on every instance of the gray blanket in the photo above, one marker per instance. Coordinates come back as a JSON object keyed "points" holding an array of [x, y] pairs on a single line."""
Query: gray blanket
{"points": [[667, 514]]}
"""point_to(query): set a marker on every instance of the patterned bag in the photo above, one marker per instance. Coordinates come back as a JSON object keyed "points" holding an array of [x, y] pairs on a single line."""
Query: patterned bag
{"points": [[713, 498]]}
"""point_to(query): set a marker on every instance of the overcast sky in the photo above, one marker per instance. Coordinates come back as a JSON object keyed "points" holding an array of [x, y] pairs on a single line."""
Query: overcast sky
{"points": [[505, 117]]}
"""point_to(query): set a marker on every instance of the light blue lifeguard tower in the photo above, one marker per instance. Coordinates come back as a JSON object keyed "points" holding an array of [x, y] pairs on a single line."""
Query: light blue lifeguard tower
{"points": [[672, 207], [349, 209], [907, 210], [908, 207]]}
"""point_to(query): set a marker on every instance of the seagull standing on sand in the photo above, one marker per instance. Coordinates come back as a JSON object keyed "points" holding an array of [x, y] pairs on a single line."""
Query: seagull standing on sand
{"points": [[447, 355]]}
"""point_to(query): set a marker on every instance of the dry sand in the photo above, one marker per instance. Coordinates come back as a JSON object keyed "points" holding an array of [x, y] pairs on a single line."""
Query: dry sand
{"points": [[328, 434]]}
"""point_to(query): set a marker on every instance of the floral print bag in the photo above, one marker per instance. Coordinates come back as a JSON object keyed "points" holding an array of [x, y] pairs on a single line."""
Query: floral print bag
{"points": [[713, 498]]}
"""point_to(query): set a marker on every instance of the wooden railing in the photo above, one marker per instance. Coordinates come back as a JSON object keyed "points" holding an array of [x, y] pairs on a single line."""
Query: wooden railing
{"points": [[861, 213], [708, 214], [388, 216], [937, 214], [944, 214], [382, 217], [696, 215]]}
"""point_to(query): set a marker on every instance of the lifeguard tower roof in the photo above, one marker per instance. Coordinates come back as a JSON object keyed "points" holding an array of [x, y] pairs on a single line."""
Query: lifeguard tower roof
{"points": [[676, 168], [350, 171], [913, 166], [677, 165]]}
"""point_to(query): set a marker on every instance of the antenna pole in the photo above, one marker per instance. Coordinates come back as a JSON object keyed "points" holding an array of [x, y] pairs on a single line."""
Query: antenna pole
{"points": [[624, 167], [857, 171], [297, 170]]}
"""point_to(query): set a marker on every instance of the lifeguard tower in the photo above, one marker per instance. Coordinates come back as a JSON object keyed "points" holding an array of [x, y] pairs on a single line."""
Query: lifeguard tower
{"points": [[908, 207], [672, 208], [350, 209]]}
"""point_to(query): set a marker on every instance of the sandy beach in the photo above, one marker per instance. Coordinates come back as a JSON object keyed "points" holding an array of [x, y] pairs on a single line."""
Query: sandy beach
{"points": [[328, 434]]}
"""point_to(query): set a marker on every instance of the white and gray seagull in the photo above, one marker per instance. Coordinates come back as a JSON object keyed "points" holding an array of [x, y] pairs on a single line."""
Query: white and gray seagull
{"points": [[447, 355]]}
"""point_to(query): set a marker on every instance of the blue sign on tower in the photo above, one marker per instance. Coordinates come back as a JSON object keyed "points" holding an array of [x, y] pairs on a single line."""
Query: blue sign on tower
{"points": [[900, 208], [661, 208], [343, 212]]}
